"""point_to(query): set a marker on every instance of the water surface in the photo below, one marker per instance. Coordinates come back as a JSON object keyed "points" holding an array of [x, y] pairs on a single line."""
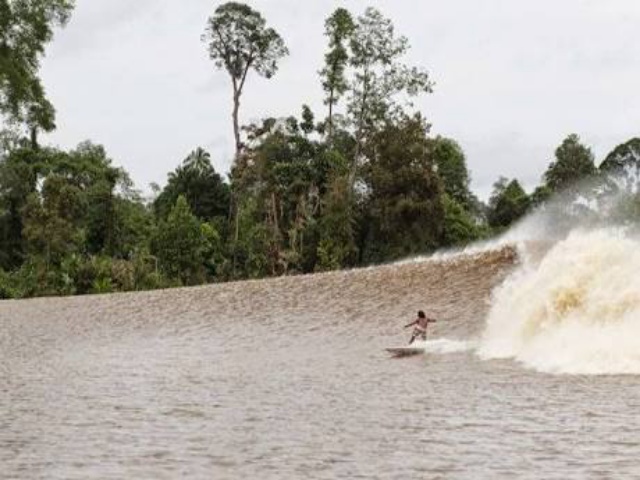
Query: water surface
{"points": [[288, 379]]}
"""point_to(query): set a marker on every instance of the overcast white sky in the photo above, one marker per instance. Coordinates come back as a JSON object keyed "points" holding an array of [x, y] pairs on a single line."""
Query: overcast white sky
{"points": [[513, 78]]}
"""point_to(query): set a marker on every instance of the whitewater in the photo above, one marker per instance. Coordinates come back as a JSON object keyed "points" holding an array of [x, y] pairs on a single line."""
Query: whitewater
{"points": [[574, 311]]}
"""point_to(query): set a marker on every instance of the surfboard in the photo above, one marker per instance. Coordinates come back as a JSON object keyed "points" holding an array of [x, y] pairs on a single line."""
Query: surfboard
{"points": [[405, 351]]}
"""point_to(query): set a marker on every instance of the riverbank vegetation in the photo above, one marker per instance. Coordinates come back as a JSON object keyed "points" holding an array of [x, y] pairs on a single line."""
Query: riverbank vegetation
{"points": [[360, 183]]}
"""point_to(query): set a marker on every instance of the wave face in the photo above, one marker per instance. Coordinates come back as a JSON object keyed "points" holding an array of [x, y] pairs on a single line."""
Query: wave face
{"points": [[574, 309], [371, 303], [568, 306]]}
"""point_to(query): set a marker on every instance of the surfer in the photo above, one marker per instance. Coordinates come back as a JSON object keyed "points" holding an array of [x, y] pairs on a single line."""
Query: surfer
{"points": [[420, 325]]}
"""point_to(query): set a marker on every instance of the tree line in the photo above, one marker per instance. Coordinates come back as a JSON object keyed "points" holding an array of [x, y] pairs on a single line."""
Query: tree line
{"points": [[362, 182]]}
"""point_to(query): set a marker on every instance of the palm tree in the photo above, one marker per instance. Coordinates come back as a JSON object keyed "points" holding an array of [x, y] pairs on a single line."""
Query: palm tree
{"points": [[199, 161]]}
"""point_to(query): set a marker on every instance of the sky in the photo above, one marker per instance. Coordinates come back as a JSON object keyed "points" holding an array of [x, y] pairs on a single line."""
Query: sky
{"points": [[513, 78]]}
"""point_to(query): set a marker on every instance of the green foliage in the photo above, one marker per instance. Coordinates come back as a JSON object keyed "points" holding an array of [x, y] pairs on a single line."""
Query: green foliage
{"points": [[50, 220], [620, 182], [381, 85], [239, 41], [307, 125], [102, 274], [284, 175], [621, 170], [36, 278], [102, 285], [339, 28], [18, 177], [337, 247], [252, 253], [180, 245], [460, 228], [379, 75], [365, 186], [206, 193], [70, 219], [8, 288], [574, 162], [9, 141], [508, 203], [404, 202], [624, 157], [540, 195], [451, 166], [26, 26]]}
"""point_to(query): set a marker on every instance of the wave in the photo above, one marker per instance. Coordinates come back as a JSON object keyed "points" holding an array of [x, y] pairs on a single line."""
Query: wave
{"points": [[574, 311]]}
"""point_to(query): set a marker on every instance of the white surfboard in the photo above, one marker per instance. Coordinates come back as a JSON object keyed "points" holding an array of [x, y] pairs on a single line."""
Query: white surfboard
{"points": [[405, 351]]}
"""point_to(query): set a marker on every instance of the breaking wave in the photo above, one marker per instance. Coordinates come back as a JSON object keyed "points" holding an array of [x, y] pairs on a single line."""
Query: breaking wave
{"points": [[574, 311], [552, 294]]}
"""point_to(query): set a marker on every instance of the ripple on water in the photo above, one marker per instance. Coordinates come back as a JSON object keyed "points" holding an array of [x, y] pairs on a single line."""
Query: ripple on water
{"points": [[288, 379]]}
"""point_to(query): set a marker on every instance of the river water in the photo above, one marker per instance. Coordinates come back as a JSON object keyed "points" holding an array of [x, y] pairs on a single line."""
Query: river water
{"points": [[288, 379]]}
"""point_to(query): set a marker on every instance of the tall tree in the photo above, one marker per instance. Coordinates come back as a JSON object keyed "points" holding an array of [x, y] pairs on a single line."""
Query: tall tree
{"points": [[338, 28], [379, 77], [282, 174], [337, 247], [451, 166], [624, 155], [181, 244], [573, 162], [203, 188], [26, 26], [239, 41], [199, 160], [460, 227], [51, 225], [307, 125], [18, 180], [508, 203], [621, 179], [405, 213]]}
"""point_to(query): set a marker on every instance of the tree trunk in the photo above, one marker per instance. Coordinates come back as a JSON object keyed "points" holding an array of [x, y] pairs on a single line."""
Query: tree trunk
{"points": [[276, 223], [276, 234], [235, 240], [34, 138], [330, 131], [236, 124], [236, 136], [359, 134], [301, 221]]}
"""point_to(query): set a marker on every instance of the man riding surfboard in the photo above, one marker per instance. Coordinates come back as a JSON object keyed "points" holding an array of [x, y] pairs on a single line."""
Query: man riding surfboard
{"points": [[420, 324]]}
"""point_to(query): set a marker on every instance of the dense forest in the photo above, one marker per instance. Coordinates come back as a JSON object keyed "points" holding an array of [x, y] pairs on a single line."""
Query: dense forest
{"points": [[362, 182]]}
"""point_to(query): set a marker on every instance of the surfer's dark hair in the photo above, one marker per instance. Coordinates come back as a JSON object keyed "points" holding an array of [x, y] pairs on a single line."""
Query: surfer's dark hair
{"points": [[421, 314]]}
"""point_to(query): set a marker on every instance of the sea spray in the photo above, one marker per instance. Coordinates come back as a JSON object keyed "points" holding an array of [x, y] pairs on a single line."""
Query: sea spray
{"points": [[444, 346], [575, 311]]}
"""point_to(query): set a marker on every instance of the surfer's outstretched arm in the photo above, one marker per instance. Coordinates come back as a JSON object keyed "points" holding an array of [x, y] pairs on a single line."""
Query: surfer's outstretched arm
{"points": [[411, 324]]}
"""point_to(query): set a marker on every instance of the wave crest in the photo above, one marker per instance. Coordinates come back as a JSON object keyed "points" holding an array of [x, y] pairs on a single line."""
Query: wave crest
{"points": [[575, 311]]}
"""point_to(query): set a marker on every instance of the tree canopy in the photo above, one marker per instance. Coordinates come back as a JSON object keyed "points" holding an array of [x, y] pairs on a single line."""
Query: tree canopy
{"points": [[625, 156], [573, 162], [239, 41], [26, 26], [196, 180], [508, 203], [364, 183]]}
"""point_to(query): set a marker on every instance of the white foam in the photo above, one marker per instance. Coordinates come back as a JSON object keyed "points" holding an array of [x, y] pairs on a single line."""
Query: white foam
{"points": [[577, 311], [446, 346]]}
